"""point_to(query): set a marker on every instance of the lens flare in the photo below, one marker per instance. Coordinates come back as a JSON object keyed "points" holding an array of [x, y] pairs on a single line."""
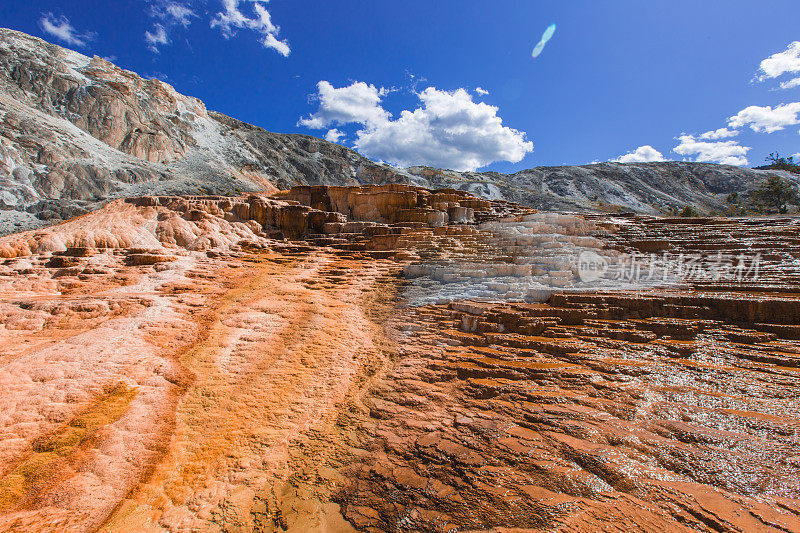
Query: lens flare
{"points": [[548, 33]]}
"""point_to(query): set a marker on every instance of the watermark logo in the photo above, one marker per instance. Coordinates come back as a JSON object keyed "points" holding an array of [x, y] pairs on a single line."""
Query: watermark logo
{"points": [[652, 268], [591, 266]]}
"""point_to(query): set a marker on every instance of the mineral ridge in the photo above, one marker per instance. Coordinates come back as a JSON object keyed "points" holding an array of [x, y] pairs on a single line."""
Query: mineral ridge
{"points": [[209, 327]]}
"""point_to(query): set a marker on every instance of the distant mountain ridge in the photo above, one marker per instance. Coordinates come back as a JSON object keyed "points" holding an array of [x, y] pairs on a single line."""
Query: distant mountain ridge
{"points": [[76, 132], [652, 188]]}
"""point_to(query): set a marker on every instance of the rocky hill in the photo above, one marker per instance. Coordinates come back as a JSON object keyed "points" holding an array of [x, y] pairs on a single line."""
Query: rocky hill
{"points": [[652, 188], [76, 132]]}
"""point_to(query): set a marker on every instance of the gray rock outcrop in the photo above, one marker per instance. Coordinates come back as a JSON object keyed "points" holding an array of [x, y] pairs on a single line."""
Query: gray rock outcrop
{"points": [[76, 132]]}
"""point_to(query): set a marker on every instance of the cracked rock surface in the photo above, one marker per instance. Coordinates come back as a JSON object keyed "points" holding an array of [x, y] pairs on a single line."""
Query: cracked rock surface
{"points": [[257, 363]]}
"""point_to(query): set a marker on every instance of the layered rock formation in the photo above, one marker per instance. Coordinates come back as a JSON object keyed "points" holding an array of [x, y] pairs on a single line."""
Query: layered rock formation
{"points": [[76, 132], [309, 362], [662, 409], [588, 413], [394, 203]]}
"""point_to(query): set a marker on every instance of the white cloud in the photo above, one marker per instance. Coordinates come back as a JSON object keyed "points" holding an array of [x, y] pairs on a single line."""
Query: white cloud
{"points": [[333, 135], [790, 84], [357, 102], [766, 118], [232, 19], [177, 13], [282, 47], [171, 14], [643, 154], [709, 147], [722, 133], [724, 152], [781, 63], [448, 130], [481, 91], [61, 29], [157, 38]]}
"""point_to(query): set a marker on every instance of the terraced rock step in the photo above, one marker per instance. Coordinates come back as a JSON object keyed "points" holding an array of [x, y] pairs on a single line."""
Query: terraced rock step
{"points": [[581, 414], [774, 241], [381, 359]]}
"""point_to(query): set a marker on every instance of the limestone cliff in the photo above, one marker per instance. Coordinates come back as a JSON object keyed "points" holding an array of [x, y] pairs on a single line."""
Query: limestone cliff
{"points": [[76, 132]]}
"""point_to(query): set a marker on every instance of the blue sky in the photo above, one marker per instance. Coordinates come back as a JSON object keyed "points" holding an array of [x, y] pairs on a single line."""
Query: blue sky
{"points": [[616, 75]]}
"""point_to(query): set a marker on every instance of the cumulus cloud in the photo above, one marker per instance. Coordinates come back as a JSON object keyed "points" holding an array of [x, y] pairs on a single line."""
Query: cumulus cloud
{"points": [[710, 146], [722, 133], [333, 135], [357, 102], [766, 118], [61, 29], [448, 130], [232, 19], [158, 37], [776, 65], [724, 152], [481, 91], [643, 154]]}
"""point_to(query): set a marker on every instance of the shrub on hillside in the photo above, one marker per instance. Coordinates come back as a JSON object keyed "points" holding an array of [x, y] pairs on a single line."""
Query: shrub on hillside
{"points": [[774, 194], [776, 162]]}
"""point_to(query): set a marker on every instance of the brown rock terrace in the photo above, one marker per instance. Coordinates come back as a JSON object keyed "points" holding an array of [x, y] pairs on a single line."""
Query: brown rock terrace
{"points": [[392, 358]]}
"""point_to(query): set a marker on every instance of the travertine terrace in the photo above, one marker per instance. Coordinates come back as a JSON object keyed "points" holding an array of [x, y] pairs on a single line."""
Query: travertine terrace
{"points": [[392, 359]]}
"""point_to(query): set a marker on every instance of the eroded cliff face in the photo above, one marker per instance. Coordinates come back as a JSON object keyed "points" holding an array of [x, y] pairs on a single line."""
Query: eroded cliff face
{"points": [[385, 359], [76, 132]]}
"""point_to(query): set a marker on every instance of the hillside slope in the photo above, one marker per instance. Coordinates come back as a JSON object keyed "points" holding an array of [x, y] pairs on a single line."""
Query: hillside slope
{"points": [[76, 132], [652, 188]]}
